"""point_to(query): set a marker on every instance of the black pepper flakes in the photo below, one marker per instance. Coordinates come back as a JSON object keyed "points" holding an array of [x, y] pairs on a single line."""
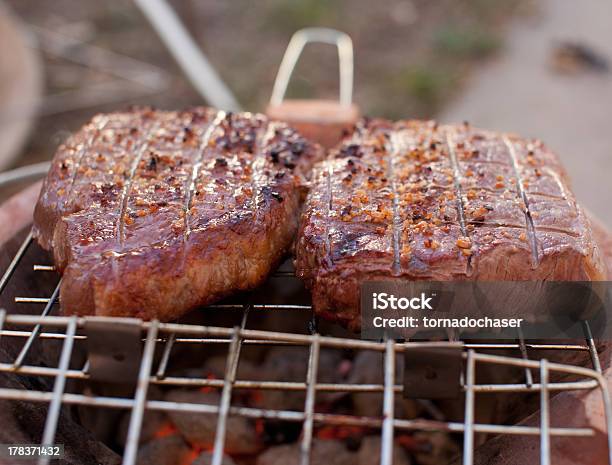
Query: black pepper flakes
{"points": [[352, 150], [274, 153], [220, 162], [268, 192], [297, 148], [152, 164], [188, 134]]}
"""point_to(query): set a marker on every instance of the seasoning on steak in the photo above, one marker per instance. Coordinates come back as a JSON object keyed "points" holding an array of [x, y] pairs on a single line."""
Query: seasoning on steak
{"points": [[152, 213], [416, 200]]}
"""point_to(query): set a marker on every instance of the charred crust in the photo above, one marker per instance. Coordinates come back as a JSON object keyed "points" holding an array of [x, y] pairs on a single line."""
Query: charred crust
{"points": [[220, 162], [152, 163], [351, 150], [297, 148]]}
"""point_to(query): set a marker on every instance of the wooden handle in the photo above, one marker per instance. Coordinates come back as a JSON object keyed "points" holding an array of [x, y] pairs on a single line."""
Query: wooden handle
{"points": [[323, 121]]}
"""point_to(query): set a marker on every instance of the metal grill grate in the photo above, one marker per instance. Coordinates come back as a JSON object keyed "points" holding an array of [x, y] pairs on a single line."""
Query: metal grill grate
{"points": [[69, 330]]}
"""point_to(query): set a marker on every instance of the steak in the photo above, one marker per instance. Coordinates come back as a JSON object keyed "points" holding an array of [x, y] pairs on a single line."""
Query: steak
{"points": [[152, 213], [415, 200]]}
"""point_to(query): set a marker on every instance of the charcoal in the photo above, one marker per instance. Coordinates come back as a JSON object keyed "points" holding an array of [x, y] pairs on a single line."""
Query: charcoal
{"points": [[329, 452], [205, 458], [169, 450], [369, 452], [200, 429]]}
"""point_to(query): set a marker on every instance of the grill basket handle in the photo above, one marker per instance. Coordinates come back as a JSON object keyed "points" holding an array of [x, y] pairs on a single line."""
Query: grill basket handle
{"points": [[299, 40], [323, 121]]}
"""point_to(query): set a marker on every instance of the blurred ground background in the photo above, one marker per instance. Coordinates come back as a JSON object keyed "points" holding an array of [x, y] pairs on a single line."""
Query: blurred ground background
{"points": [[525, 65], [553, 81], [410, 56]]}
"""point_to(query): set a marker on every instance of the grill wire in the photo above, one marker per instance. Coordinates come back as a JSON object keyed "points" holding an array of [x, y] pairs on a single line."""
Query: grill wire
{"points": [[170, 334]]}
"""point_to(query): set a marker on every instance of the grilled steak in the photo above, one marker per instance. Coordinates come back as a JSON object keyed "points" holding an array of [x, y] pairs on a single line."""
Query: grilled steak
{"points": [[415, 200], [151, 213]]}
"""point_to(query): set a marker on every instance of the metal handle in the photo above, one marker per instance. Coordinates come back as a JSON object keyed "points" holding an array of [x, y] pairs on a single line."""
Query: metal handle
{"points": [[296, 45], [189, 56]]}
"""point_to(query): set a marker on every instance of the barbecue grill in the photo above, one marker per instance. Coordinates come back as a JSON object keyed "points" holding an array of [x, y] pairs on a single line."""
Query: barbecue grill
{"points": [[69, 330], [121, 348]]}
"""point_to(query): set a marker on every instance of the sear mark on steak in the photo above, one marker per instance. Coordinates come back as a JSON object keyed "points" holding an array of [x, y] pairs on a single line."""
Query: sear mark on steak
{"points": [[151, 213], [417, 200]]}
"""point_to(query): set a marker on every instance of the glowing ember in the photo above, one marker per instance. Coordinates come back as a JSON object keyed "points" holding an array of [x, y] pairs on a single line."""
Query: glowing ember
{"points": [[191, 456], [207, 389], [256, 397], [409, 442], [260, 426], [340, 432], [165, 430]]}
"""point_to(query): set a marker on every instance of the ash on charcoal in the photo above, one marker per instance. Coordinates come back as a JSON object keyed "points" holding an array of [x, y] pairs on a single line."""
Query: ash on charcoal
{"points": [[280, 432], [169, 450], [324, 452], [291, 365], [369, 452], [152, 422], [367, 369], [205, 458], [434, 448], [200, 428], [110, 425], [217, 367]]}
